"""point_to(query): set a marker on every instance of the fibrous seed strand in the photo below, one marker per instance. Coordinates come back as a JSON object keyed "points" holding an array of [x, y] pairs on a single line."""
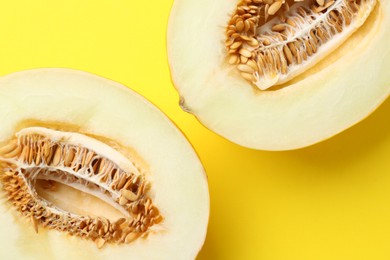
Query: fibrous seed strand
{"points": [[286, 37], [31, 157]]}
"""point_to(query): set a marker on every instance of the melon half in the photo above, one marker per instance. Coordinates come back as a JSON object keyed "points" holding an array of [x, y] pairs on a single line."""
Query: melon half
{"points": [[313, 97], [91, 170]]}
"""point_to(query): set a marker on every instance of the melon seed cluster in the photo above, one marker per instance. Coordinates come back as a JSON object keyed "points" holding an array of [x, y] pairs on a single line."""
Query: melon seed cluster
{"points": [[32, 157], [270, 42]]}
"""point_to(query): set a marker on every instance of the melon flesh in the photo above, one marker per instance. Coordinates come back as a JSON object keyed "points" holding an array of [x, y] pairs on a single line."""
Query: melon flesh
{"points": [[99, 107], [341, 90]]}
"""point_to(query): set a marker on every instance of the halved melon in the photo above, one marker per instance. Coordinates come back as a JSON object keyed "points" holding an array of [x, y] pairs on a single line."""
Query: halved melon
{"points": [[278, 74], [91, 170]]}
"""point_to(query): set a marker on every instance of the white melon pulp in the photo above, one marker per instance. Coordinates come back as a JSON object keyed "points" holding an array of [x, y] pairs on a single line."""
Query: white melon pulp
{"points": [[335, 94], [99, 107]]}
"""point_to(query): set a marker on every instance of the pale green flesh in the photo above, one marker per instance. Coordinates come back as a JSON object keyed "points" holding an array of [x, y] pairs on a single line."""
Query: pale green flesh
{"points": [[330, 97]]}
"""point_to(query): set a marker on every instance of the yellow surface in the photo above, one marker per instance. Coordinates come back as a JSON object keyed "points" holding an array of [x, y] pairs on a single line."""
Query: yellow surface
{"points": [[328, 201]]}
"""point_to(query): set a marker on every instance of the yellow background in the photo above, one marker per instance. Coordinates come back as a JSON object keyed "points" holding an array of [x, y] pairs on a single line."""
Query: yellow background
{"points": [[328, 201]]}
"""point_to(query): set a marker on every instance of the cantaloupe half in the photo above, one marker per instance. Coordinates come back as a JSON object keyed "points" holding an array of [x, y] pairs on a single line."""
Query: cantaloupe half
{"points": [[345, 80], [91, 170]]}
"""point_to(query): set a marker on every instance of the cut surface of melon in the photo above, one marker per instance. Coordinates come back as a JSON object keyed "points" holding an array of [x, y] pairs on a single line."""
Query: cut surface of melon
{"points": [[343, 86], [91, 170]]}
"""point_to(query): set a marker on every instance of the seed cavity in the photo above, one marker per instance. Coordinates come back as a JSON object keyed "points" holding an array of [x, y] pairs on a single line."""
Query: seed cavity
{"points": [[82, 162], [280, 39]]}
